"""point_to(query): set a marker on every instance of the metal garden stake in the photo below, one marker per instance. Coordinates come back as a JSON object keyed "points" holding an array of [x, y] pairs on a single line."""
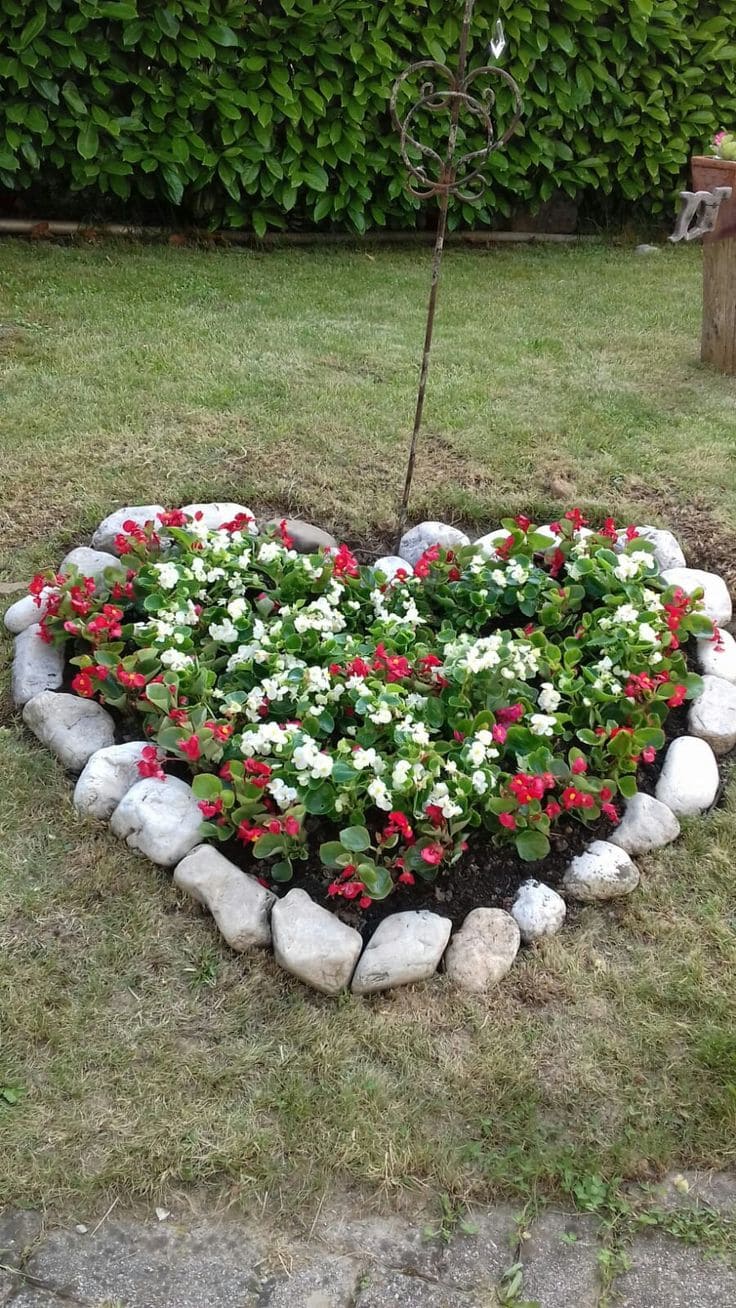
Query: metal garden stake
{"points": [[454, 175]]}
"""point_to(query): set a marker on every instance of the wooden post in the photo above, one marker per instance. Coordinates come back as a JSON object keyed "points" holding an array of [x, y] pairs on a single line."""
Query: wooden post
{"points": [[718, 340]]}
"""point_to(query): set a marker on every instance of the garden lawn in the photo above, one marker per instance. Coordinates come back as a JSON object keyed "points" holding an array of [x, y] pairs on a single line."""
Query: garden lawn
{"points": [[140, 1054]]}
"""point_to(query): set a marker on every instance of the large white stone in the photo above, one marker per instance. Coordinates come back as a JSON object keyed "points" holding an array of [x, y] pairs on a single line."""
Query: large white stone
{"points": [[25, 612], [538, 911], [37, 666], [646, 824], [213, 515], [688, 783], [107, 776], [483, 950], [603, 871], [716, 599], [390, 564], [112, 525], [72, 728], [667, 549], [712, 715], [238, 902], [718, 658], [90, 563], [404, 948], [312, 944], [162, 819], [305, 537], [415, 541]]}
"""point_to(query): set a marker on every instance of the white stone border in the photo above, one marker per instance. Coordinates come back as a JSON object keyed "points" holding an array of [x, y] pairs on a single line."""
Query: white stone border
{"points": [[163, 821]]}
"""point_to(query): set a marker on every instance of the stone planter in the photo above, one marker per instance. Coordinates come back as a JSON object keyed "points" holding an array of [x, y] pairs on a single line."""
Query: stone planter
{"points": [[708, 173]]}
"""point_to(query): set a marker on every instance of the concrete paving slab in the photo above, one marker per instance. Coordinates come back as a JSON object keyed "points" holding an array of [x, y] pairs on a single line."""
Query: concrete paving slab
{"points": [[668, 1274], [389, 1291], [326, 1283], [560, 1261], [142, 1265], [480, 1260]]}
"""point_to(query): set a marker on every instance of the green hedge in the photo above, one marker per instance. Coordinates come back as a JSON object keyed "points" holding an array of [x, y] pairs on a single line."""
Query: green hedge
{"points": [[273, 113]]}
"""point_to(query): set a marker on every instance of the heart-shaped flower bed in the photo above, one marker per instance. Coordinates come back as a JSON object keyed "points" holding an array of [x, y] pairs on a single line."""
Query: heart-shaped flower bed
{"points": [[384, 718]]}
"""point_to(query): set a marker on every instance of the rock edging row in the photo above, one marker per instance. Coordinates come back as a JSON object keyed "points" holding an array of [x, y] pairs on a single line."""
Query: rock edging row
{"points": [[162, 820]]}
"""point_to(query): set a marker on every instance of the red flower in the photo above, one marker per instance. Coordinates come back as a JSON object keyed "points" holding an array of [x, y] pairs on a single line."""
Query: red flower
{"points": [[291, 826], [248, 831], [351, 889], [211, 807], [499, 733], [190, 746], [398, 824], [575, 516], [435, 815], [611, 812], [509, 715], [552, 809], [677, 697], [578, 766], [631, 533], [286, 540], [173, 518], [130, 680], [407, 878], [220, 731], [558, 559], [522, 521], [83, 685], [259, 774], [344, 564], [149, 764], [609, 529], [423, 564], [432, 854], [649, 754], [605, 793], [508, 821]]}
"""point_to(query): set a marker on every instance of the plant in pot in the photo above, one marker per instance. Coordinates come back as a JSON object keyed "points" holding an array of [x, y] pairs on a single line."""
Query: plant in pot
{"points": [[719, 169]]}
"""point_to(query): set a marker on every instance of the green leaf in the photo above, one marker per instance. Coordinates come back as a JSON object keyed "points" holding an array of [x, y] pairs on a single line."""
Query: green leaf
{"points": [[333, 854], [32, 28], [282, 871], [531, 845], [221, 34], [88, 141], [267, 845], [355, 839], [206, 786]]}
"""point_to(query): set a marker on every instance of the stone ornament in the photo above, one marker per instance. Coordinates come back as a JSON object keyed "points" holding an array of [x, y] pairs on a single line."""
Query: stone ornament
{"points": [[162, 819]]}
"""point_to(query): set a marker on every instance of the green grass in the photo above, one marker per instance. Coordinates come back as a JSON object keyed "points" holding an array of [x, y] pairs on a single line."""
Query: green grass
{"points": [[149, 1057]]}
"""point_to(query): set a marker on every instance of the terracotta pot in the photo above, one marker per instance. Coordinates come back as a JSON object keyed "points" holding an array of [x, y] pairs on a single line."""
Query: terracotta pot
{"points": [[708, 173]]}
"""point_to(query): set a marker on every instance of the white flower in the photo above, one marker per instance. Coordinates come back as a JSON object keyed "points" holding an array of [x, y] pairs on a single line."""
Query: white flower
{"points": [[477, 753], [174, 659], [322, 766], [380, 795], [549, 698], [366, 758], [224, 631], [238, 607], [168, 575], [542, 725], [269, 551], [647, 633], [283, 794], [626, 615], [480, 782], [381, 715]]}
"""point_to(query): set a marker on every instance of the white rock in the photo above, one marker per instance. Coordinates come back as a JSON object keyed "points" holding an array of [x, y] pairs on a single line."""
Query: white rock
{"points": [[390, 564], [25, 612], [160, 818], [415, 541], [603, 871], [716, 599], [404, 948], [712, 715], [36, 666], [108, 776], [72, 728], [90, 563], [112, 525], [647, 824], [538, 911], [483, 950], [213, 515], [688, 783], [313, 944], [716, 658], [238, 902], [647, 249], [667, 549]]}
